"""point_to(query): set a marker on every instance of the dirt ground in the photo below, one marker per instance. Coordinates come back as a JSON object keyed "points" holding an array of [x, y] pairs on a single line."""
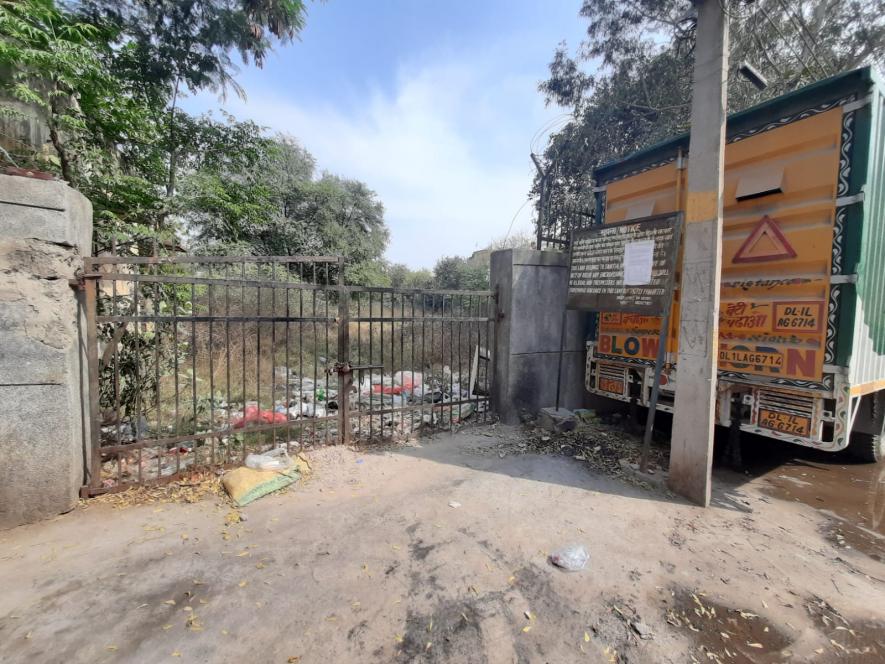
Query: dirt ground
{"points": [[439, 553]]}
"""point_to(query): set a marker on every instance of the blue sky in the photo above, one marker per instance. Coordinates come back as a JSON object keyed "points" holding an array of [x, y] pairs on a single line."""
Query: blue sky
{"points": [[432, 103]]}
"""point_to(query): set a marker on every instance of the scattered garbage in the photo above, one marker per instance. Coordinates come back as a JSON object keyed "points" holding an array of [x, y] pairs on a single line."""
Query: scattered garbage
{"points": [[277, 459], [571, 558], [253, 415], [245, 485], [307, 410], [397, 405]]}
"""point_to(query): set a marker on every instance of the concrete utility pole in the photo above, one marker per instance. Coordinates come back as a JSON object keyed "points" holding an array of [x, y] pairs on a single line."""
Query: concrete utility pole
{"points": [[691, 453]]}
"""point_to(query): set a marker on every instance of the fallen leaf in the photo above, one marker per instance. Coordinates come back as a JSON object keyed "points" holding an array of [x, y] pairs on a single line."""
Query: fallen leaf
{"points": [[527, 628], [175, 653], [586, 638], [398, 638], [193, 623], [165, 627], [243, 583], [294, 659], [170, 602], [110, 647], [755, 645]]}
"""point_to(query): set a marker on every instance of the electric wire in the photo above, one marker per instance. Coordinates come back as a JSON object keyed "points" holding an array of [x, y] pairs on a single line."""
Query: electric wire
{"points": [[802, 29]]}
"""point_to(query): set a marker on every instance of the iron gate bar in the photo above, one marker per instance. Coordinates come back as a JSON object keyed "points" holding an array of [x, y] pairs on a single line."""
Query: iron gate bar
{"points": [[172, 279], [208, 319], [171, 260], [165, 425]]}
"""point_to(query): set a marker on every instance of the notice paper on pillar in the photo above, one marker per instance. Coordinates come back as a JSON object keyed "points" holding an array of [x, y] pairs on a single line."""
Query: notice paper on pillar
{"points": [[624, 267]]}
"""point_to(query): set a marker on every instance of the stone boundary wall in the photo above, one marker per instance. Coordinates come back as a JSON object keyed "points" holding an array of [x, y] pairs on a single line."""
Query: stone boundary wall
{"points": [[45, 230]]}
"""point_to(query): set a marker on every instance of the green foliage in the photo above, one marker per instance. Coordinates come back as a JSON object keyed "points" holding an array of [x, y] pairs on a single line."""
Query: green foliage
{"points": [[457, 273], [401, 276], [168, 43], [271, 200], [108, 75], [639, 91]]}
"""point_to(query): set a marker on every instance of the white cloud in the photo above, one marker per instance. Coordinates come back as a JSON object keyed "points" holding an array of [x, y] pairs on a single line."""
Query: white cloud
{"points": [[446, 151]]}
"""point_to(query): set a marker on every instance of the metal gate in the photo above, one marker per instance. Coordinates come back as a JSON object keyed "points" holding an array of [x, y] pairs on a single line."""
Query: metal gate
{"points": [[197, 361]]}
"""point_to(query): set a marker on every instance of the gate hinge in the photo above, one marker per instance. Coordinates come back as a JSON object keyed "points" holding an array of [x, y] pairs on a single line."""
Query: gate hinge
{"points": [[80, 277]]}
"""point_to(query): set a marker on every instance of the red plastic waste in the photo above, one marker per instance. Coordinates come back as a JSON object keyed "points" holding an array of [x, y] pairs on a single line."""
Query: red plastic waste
{"points": [[387, 389], [252, 415]]}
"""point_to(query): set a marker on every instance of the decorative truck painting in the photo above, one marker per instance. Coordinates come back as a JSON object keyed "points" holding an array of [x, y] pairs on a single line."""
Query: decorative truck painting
{"points": [[802, 318]]}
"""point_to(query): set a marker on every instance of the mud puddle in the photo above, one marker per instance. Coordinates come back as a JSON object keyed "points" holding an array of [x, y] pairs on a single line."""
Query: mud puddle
{"points": [[723, 634], [851, 494]]}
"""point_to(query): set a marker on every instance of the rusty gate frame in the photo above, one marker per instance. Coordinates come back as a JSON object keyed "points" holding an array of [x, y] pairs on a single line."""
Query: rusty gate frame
{"points": [[480, 315]]}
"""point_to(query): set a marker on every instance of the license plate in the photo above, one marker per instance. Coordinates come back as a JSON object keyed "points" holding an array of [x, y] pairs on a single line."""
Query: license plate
{"points": [[611, 385], [796, 425]]}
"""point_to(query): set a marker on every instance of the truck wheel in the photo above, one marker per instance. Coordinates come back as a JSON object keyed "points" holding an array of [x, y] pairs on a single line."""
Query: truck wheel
{"points": [[867, 447]]}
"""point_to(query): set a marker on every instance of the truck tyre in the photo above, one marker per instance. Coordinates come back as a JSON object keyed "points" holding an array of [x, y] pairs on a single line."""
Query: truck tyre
{"points": [[867, 447]]}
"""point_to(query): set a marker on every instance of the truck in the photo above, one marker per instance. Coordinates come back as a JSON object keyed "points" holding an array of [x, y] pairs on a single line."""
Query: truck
{"points": [[801, 347]]}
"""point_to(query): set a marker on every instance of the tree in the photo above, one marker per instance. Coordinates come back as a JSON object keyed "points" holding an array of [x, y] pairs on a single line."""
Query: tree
{"points": [[263, 196], [107, 76], [170, 46], [457, 273], [640, 92], [401, 276]]}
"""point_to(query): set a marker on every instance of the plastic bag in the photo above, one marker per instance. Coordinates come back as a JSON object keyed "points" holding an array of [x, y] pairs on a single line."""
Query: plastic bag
{"points": [[571, 558], [276, 459]]}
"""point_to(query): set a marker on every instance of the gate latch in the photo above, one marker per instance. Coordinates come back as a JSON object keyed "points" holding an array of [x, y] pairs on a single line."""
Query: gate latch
{"points": [[344, 368]]}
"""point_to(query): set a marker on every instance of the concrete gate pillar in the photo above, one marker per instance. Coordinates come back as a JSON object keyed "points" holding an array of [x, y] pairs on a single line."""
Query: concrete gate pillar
{"points": [[532, 288], [45, 230]]}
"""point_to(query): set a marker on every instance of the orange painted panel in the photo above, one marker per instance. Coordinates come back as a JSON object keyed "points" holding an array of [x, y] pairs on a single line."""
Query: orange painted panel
{"points": [[776, 251]]}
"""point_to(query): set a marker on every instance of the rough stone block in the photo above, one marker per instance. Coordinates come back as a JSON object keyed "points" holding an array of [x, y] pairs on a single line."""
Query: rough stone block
{"points": [[45, 210], [557, 420], [45, 230], [40, 464]]}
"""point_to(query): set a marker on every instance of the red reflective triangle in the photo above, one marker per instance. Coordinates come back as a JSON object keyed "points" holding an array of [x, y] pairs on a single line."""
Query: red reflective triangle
{"points": [[766, 242]]}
